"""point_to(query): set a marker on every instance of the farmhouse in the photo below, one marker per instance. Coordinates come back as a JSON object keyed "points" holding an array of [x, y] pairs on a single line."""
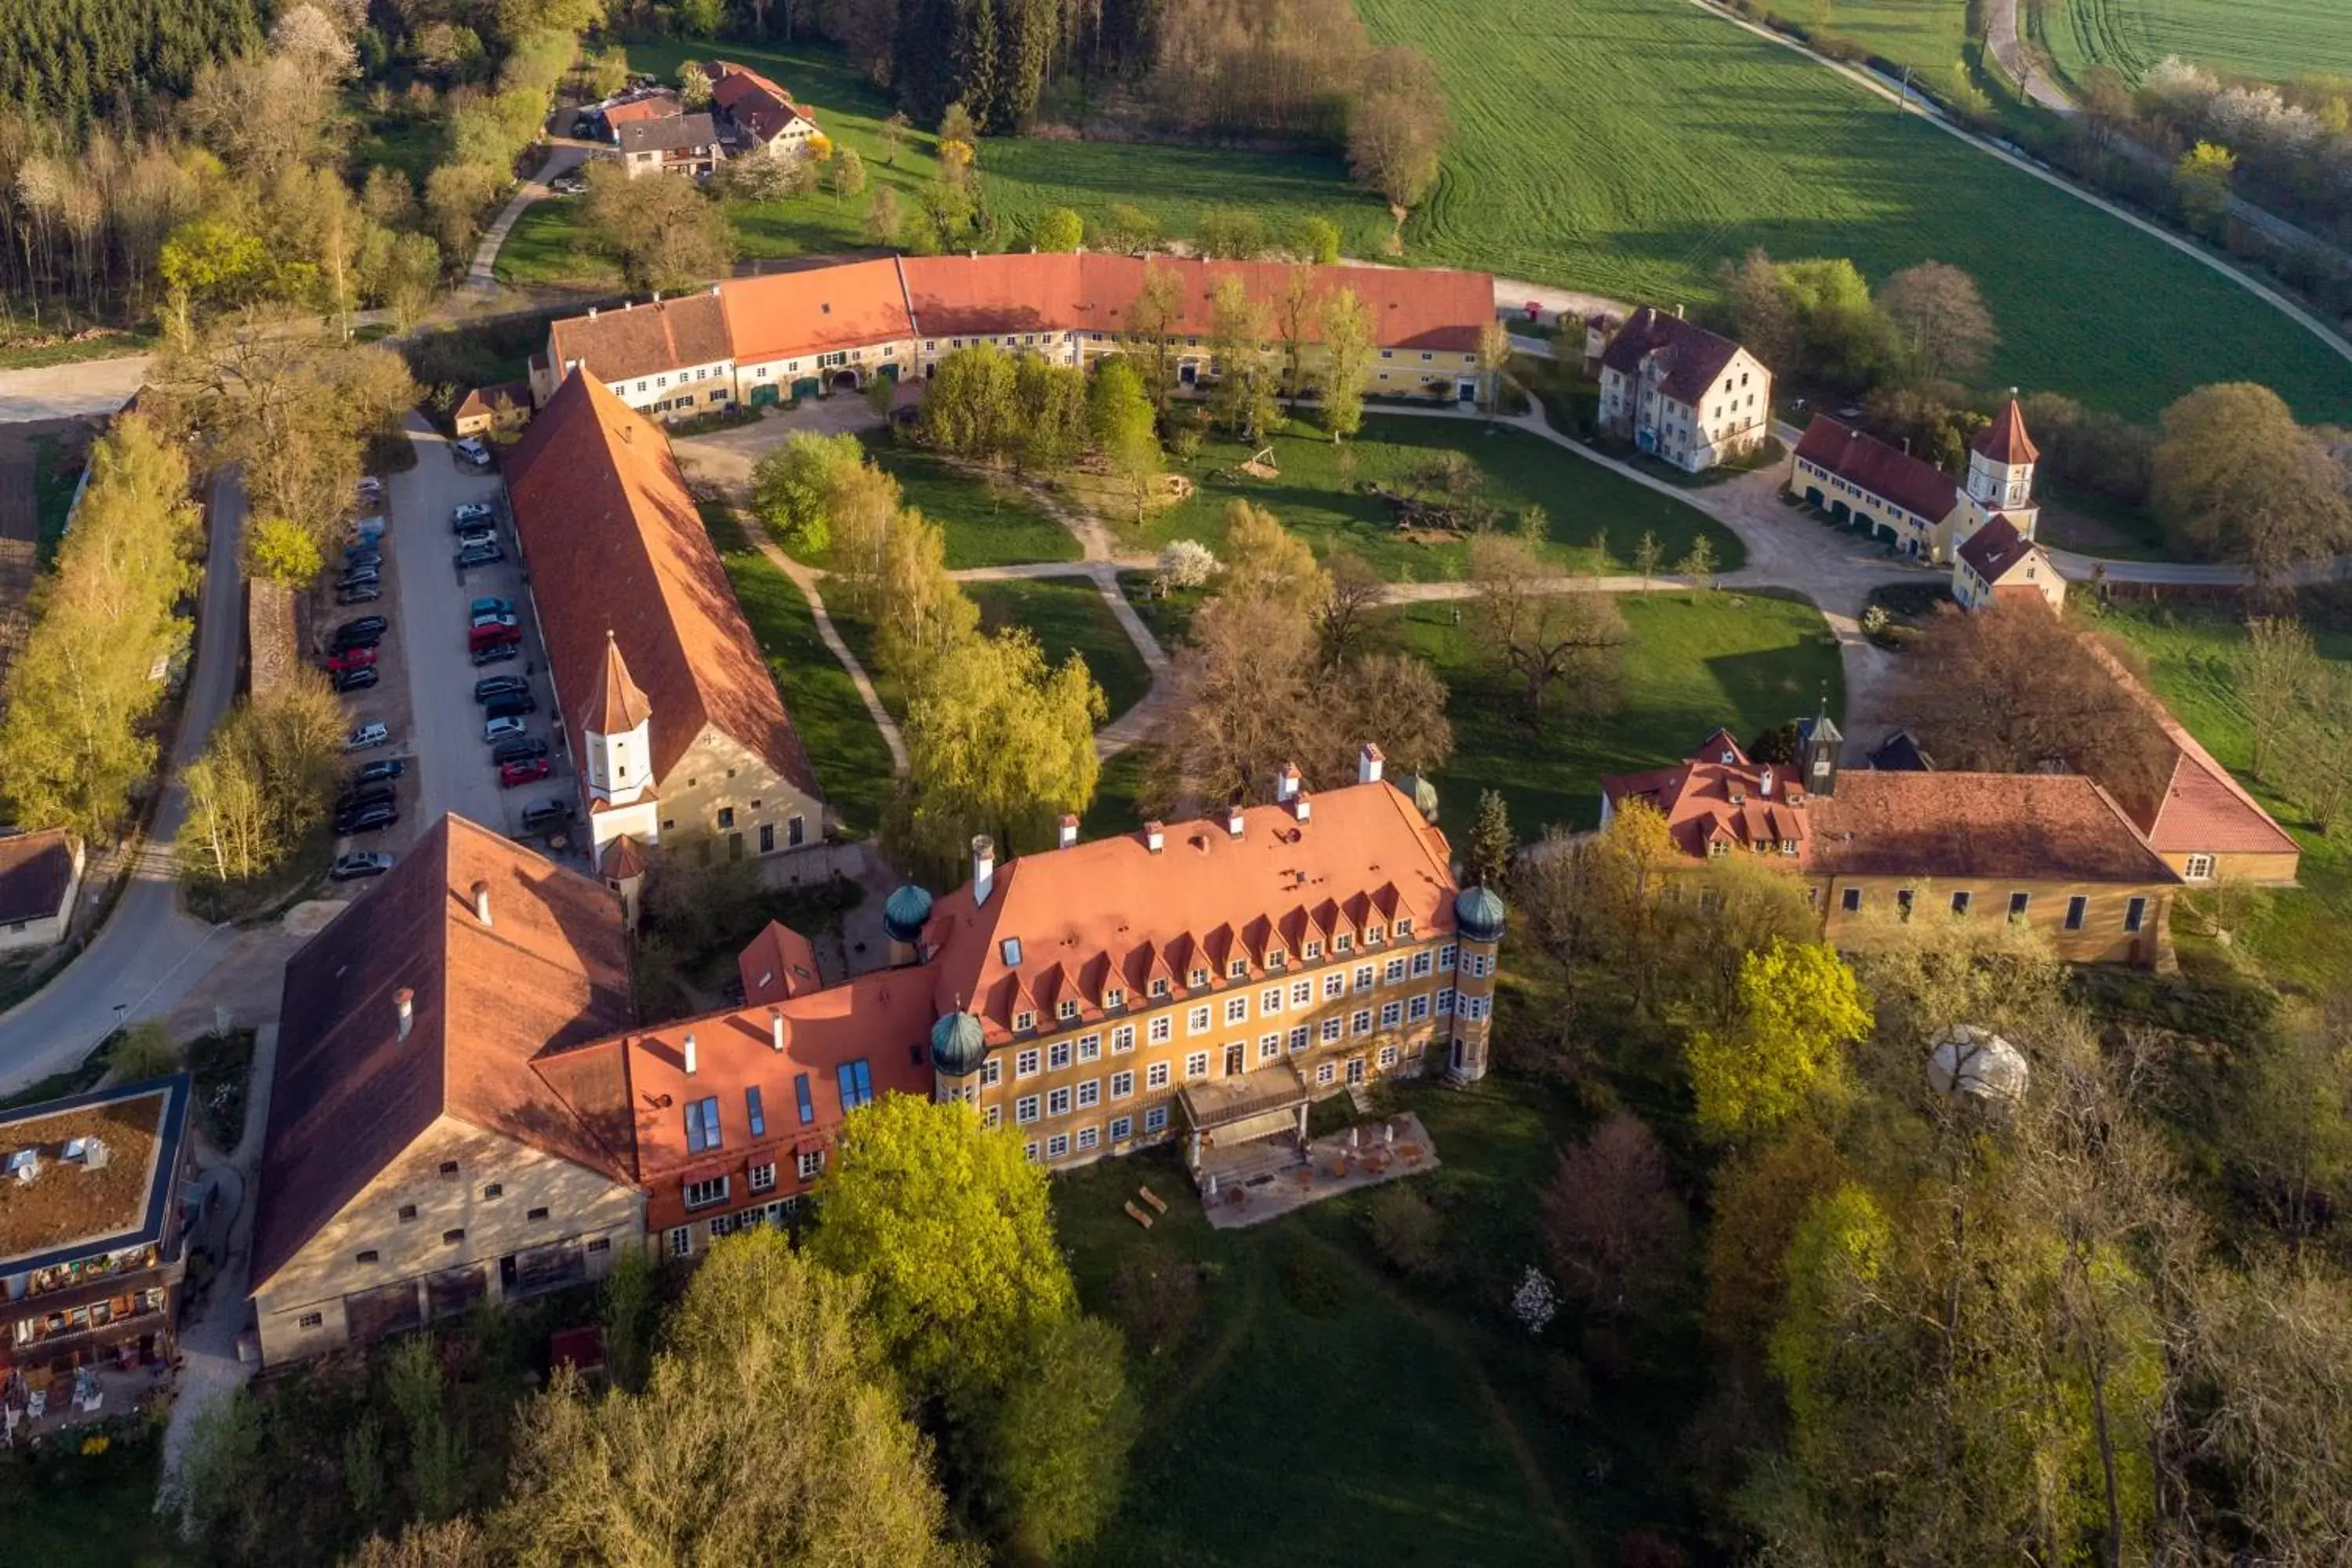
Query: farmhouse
{"points": [[673, 144], [757, 117], [40, 875], [2052, 850], [504, 405], [838, 325], [657, 675], [1997, 560], [658, 103], [1680, 393], [463, 1107], [90, 1246]]}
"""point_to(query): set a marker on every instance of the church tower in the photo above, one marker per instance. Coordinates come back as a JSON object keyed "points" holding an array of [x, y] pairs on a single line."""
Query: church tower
{"points": [[2000, 469], [1478, 921], [616, 734], [1820, 751]]}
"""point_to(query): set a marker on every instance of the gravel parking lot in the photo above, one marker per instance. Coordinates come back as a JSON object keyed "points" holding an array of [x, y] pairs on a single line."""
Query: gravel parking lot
{"points": [[450, 763]]}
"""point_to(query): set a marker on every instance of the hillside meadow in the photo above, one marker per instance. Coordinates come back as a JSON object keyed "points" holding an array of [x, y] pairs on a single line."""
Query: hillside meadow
{"points": [[2271, 38]]}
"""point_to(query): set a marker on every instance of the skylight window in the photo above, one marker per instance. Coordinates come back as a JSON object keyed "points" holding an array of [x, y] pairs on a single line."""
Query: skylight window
{"points": [[1010, 948], [758, 1114], [857, 1084], [702, 1125], [801, 1094]]}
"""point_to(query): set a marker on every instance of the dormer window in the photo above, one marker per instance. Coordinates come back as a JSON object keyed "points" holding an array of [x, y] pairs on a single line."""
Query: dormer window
{"points": [[1374, 933], [1343, 943], [1114, 998], [1237, 970], [1403, 928], [1313, 950], [1066, 1008], [1718, 846], [1159, 986], [1788, 846], [1275, 958], [1025, 1020], [1200, 978], [1728, 759]]}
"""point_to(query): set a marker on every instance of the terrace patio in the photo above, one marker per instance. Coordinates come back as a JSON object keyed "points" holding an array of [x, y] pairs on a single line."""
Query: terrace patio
{"points": [[1253, 1183]]}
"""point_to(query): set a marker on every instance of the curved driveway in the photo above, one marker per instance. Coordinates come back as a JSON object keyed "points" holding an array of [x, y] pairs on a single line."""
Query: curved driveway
{"points": [[149, 951]]}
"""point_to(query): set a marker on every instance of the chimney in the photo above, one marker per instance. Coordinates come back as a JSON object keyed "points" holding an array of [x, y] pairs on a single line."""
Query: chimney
{"points": [[775, 1029], [1678, 310], [689, 1053], [592, 312], [1233, 819], [1300, 806], [1069, 833], [1285, 783], [481, 891], [1155, 837], [1368, 764], [403, 1007], [1764, 782], [983, 868]]}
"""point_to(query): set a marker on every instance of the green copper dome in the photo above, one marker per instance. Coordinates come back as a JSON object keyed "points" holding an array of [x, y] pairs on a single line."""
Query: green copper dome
{"points": [[958, 1044], [906, 912], [1478, 914]]}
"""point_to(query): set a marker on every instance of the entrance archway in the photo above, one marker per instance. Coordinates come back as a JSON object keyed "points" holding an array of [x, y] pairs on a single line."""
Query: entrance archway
{"points": [[844, 381]]}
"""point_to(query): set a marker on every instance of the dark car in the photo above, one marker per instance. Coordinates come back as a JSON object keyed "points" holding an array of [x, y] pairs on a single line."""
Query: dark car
{"points": [[358, 575], [368, 818], [367, 593], [547, 814], [480, 554], [356, 679], [349, 634], [492, 687], [359, 795], [521, 749], [360, 863], [345, 643], [376, 773], [497, 653], [513, 705], [471, 514], [358, 557]]}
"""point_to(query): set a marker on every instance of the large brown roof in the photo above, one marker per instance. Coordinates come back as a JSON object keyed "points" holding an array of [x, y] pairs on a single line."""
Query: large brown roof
{"points": [[349, 1094], [35, 870], [671, 133], [1864, 459], [1991, 550], [753, 101], [1112, 914], [2027, 827], [617, 548], [1693, 356], [1740, 804], [815, 308], [71, 1210], [639, 341], [2202, 809]]}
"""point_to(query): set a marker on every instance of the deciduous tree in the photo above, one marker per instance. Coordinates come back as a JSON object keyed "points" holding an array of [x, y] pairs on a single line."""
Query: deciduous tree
{"points": [[1612, 1228], [999, 743], [1941, 320], [1799, 1011], [1264, 560], [795, 487], [1348, 344], [1239, 331], [1541, 638], [1490, 840], [1059, 230], [1120, 422], [2236, 479], [2279, 671], [663, 233]]}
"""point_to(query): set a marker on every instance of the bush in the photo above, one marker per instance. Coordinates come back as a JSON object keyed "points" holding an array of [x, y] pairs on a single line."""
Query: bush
{"points": [[143, 1051], [1409, 1233]]}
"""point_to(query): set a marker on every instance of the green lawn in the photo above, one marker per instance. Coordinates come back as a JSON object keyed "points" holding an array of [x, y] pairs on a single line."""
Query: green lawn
{"points": [[69, 1509], [988, 519], [1322, 496], [2191, 652], [1695, 661], [1116, 807], [2272, 38], [852, 763], [73, 351], [549, 244], [1627, 146], [1068, 615], [1318, 1407]]}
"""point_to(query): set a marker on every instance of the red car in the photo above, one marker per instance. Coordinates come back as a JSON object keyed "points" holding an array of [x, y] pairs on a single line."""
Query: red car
{"points": [[349, 658], [491, 635], [531, 770]]}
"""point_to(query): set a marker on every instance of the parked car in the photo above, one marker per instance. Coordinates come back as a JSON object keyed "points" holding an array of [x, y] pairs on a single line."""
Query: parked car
{"points": [[497, 653], [356, 556], [512, 702], [490, 605], [486, 635], [379, 770], [358, 680], [490, 687], [375, 732], [471, 512], [360, 863], [519, 750], [547, 814], [361, 577], [473, 453], [480, 554], [369, 529], [349, 634], [480, 621], [513, 775], [365, 594], [475, 537], [349, 658], [351, 799], [368, 818], [505, 729]]}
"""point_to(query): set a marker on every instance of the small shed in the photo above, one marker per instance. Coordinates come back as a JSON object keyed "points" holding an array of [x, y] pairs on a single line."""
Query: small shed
{"points": [[40, 875], [502, 408]]}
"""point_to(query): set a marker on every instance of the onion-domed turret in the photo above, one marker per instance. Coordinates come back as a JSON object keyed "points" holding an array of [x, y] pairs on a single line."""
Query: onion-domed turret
{"points": [[958, 1044], [1478, 914], [906, 912]]}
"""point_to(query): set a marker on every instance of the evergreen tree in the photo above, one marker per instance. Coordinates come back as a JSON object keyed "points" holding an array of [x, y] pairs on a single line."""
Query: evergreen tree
{"points": [[1490, 841]]}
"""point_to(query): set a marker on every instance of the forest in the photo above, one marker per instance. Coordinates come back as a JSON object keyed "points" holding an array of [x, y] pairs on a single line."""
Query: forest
{"points": [[78, 62]]}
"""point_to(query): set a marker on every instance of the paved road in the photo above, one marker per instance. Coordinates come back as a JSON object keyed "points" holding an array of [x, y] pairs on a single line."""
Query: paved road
{"points": [[70, 391], [451, 763], [2004, 34], [562, 157], [149, 950]]}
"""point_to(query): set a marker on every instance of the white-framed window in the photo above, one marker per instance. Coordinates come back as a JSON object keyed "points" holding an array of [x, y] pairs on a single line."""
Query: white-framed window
{"points": [[1197, 1021], [1058, 1056], [1237, 970], [1332, 1027], [1066, 1008], [1444, 1000], [681, 1242], [2200, 868], [1122, 1038], [1114, 997], [1403, 927], [1236, 1009], [1090, 1094], [1087, 1137], [702, 1194], [1196, 1065], [1313, 950], [1302, 993], [1269, 1046], [991, 1117], [1058, 1147], [1089, 1048], [1156, 1118], [1200, 977], [1374, 932], [1122, 1128], [1445, 957], [1361, 1022], [1025, 1065], [1030, 1150], [1024, 1022], [810, 1163], [1024, 1109], [1159, 985], [1387, 1056], [1393, 971], [991, 1073], [1275, 958], [1422, 963], [763, 1177], [1363, 977], [1417, 1007], [1057, 1101], [1480, 965], [1301, 1035], [1156, 1076], [1270, 1000], [1335, 985], [1391, 1014], [1163, 1029], [1323, 1073], [1122, 1085], [1344, 942]]}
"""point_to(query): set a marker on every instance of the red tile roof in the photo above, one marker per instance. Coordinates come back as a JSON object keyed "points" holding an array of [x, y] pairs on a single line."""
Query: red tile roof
{"points": [[1691, 357], [1112, 914], [779, 963], [489, 400], [35, 870], [639, 340], [753, 101], [2202, 809], [1706, 801], [1992, 551], [616, 706], [2027, 827], [815, 308], [618, 552], [349, 1094], [661, 105], [1879, 469], [2005, 440]]}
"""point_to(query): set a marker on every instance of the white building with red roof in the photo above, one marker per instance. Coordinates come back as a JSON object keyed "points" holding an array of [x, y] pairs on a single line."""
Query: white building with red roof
{"points": [[756, 116], [1682, 393]]}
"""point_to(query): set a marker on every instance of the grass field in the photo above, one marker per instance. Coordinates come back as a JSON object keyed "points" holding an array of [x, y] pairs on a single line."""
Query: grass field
{"points": [[1931, 37], [1626, 146], [549, 244], [2191, 652], [1321, 497], [1695, 661], [853, 764], [68, 1510], [1068, 615], [986, 518], [2274, 39]]}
